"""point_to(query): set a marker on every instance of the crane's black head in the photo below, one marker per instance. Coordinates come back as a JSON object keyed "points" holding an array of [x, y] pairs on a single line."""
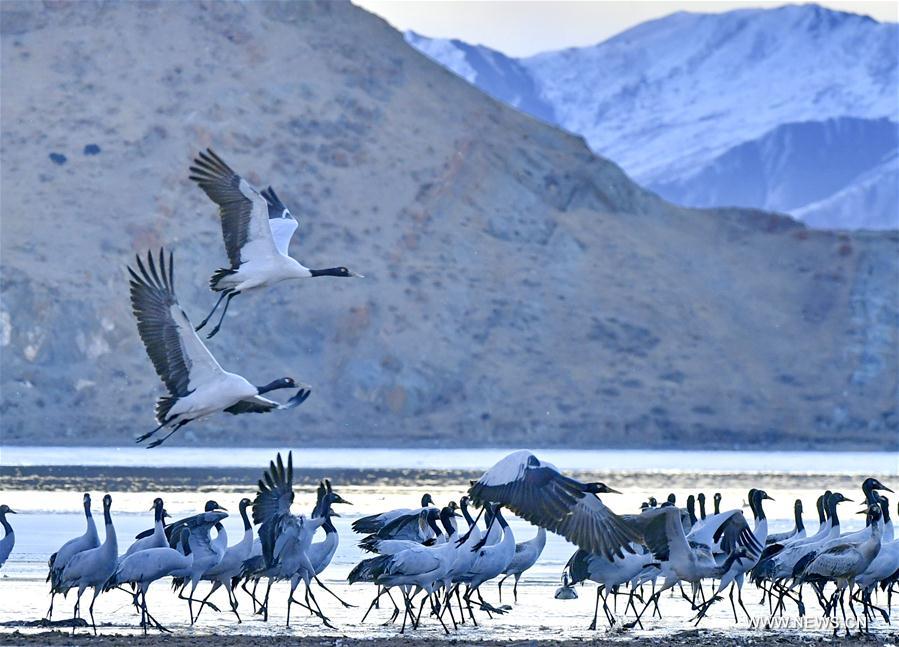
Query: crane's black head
{"points": [[871, 484], [672, 499], [717, 496], [244, 504], [452, 505], [333, 497], [281, 383], [599, 488], [463, 501], [87, 498], [212, 506], [700, 497], [107, 501], [653, 502], [426, 500], [797, 506], [836, 498], [157, 504], [5, 509]]}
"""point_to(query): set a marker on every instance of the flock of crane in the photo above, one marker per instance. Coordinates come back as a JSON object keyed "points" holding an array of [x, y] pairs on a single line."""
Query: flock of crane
{"points": [[422, 557]]}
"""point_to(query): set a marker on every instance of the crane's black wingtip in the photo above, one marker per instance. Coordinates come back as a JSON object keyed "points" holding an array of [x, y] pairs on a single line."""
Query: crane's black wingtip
{"points": [[299, 398]]}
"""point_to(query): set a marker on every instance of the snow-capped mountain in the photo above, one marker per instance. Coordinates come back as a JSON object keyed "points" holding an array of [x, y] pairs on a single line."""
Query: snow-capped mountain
{"points": [[691, 105], [500, 76]]}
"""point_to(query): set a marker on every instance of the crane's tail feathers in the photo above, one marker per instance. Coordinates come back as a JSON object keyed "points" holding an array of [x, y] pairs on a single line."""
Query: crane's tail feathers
{"points": [[369, 569], [217, 277], [163, 405], [368, 525]]}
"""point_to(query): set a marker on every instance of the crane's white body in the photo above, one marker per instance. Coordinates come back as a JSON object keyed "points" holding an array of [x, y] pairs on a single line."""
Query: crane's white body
{"points": [[93, 567], [156, 540]]}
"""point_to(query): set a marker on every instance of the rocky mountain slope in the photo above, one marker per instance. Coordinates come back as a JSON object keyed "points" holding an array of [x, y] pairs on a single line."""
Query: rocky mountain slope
{"points": [[519, 290], [680, 100]]}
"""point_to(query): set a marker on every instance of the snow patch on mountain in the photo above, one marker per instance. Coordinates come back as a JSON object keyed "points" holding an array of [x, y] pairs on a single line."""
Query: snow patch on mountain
{"points": [[677, 101]]}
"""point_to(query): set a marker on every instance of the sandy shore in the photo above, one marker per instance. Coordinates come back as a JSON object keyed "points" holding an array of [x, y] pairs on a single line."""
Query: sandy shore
{"points": [[679, 639]]}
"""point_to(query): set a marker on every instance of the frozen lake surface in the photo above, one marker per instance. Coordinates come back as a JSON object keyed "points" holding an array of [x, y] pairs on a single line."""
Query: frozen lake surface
{"points": [[49, 517]]}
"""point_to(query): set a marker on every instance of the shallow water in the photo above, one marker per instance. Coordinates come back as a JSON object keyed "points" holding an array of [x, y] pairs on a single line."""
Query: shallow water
{"points": [[48, 518], [846, 463]]}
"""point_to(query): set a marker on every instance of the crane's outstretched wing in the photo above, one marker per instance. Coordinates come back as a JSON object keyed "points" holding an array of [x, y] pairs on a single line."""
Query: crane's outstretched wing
{"points": [[181, 360], [243, 210], [539, 493], [280, 220], [735, 534], [272, 503]]}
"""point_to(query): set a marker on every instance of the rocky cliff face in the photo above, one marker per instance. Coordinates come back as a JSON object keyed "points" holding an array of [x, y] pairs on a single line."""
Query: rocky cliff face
{"points": [[519, 290]]}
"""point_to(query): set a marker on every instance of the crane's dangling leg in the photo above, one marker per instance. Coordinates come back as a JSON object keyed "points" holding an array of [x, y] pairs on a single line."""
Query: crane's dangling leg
{"points": [[214, 308], [218, 326]]}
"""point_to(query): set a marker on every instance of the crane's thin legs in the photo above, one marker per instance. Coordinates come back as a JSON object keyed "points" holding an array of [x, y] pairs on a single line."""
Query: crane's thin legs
{"points": [[232, 600], [346, 605], [158, 442], [499, 587], [214, 308], [319, 611], [218, 326], [91, 609], [595, 609], [76, 611], [140, 439], [435, 608], [215, 587]]}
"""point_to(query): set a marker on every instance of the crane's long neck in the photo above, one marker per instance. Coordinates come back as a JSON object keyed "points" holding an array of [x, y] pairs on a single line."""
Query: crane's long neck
{"points": [[868, 489], [759, 509], [540, 537], [432, 523], [91, 524], [246, 519], [7, 529], [702, 508], [508, 538], [822, 517], [834, 517], [272, 386], [111, 541], [691, 510], [328, 525], [797, 513], [329, 271], [467, 514]]}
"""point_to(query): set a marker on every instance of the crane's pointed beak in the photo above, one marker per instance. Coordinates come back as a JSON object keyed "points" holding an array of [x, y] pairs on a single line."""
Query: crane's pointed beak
{"points": [[611, 491], [357, 275]]}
